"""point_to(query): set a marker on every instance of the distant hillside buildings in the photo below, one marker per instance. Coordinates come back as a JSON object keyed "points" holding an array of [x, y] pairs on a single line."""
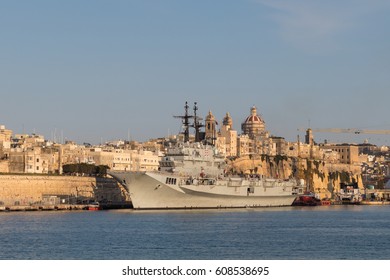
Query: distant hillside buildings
{"points": [[23, 153], [34, 154]]}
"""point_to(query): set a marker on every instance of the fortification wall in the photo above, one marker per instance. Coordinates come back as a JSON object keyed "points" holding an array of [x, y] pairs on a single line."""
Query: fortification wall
{"points": [[4, 168], [34, 189]]}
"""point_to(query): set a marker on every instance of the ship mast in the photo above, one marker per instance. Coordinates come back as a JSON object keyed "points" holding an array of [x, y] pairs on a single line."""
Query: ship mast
{"points": [[197, 125], [186, 122]]}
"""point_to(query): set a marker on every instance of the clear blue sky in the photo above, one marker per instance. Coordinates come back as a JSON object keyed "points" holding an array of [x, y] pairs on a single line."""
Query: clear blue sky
{"points": [[97, 69]]}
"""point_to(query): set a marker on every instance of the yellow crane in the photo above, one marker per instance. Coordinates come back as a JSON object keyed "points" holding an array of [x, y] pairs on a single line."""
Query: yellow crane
{"points": [[351, 130]]}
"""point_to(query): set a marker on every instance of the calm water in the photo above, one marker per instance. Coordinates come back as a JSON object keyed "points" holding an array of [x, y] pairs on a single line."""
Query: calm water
{"points": [[337, 232]]}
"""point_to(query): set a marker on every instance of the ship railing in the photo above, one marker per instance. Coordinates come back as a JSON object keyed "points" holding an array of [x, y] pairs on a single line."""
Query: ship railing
{"points": [[199, 181], [235, 182]]}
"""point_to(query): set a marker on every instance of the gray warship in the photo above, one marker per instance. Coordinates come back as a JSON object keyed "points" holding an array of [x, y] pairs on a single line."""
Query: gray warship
{"points": [[193, 176]]}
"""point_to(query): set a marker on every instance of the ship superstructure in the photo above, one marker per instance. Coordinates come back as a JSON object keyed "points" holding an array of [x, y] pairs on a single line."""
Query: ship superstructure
{"points": [[349, 193], [195, 159]]}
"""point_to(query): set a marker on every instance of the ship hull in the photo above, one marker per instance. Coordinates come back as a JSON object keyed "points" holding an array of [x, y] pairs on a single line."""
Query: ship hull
{"points": [[153, 191]]}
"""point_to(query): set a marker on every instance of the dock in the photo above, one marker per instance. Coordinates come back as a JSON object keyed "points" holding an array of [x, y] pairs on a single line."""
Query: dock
{"points": [[64, 207], [375, 202]]}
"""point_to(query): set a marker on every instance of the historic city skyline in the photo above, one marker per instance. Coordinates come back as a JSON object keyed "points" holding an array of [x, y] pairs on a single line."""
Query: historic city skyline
{"points": [[95, 71]]}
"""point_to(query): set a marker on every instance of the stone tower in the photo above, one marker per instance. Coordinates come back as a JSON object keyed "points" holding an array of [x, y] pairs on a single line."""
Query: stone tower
{"points": [[228, 122], [211, 130]]}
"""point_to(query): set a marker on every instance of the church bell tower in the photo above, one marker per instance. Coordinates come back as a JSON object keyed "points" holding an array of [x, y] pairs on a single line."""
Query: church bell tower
{"points": [[211, 130]]}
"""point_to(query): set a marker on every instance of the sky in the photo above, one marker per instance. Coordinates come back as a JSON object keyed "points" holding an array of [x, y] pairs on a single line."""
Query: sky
{"points": [[99, 70]]}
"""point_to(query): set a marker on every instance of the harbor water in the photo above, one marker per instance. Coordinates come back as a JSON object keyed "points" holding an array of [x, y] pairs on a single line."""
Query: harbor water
{"points": [[296, 233]]}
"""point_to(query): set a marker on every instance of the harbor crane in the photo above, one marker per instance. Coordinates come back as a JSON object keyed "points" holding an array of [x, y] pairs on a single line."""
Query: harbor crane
{"points": [[309, 132], [349, 130]]}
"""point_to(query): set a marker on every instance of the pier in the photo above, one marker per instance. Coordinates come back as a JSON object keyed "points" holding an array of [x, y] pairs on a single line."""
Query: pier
{"points": [[64, 207], [42, 207]]}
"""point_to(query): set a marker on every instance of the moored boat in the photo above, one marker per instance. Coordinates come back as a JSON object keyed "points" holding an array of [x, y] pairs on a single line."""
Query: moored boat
{"points": [[94, 206], [349, 193], [307, 199], [158, 190]]}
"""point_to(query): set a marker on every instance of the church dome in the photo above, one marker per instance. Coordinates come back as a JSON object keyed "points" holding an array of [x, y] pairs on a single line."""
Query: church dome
{"points": [[254, 118], [254, 125]]}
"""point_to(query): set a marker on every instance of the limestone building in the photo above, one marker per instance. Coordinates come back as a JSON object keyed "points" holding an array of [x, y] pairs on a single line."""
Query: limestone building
{"points": [[229, 135], [348, 153], [121, 160], [5, 145], [34, 160], [244, 145], [210, 129], [5, 137], [26, 141]]}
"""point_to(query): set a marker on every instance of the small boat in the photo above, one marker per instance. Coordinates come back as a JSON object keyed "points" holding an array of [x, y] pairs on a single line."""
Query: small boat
{"points": [[307, 199], [94, 206], [349, 193]]}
